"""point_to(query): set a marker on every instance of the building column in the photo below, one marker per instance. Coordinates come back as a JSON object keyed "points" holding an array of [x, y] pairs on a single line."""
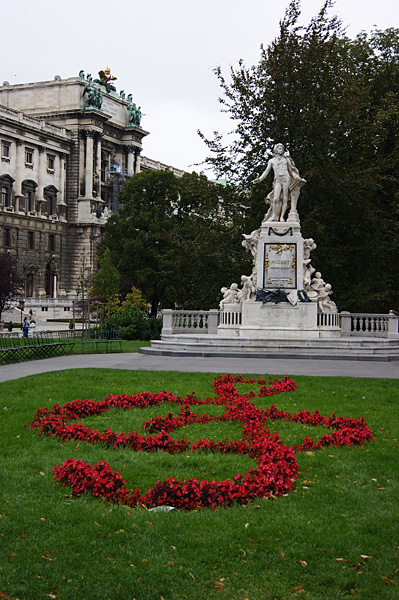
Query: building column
{"points": [[130, 160], [98, 166], [61, 204], [61, 193], [137, 160], [39, 191], [89, 163], [18, 170]]}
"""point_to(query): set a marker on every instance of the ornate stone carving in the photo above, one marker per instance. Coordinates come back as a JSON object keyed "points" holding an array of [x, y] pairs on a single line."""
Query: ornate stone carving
{"points": [[230, 295]]}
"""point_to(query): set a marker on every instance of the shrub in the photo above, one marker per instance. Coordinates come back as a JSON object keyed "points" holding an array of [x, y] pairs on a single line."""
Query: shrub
{"points": [[135, 324]]}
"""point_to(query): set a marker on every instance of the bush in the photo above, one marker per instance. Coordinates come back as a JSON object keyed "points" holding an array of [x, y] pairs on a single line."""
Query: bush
{"points": [[135, 324]]}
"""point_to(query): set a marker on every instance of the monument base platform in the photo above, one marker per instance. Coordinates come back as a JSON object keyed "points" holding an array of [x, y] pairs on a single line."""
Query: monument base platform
{"points": [[343, 348], [279, 321]]}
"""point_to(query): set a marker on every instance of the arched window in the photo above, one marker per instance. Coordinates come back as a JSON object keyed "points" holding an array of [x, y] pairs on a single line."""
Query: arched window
{"points": [[50, 195], [6, 183], [28, 202]]}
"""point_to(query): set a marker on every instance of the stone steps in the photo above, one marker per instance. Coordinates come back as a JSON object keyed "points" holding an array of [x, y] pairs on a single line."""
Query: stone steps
{"points": [[350, 348]]}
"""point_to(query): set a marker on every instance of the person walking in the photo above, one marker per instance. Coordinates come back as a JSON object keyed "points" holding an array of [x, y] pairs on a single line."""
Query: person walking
{"points": [[25, 328]]}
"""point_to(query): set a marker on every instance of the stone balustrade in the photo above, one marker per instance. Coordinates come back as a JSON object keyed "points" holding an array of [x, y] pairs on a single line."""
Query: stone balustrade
{"points": [[190, 321], [231, 317], [328, 320], [369, 324], [352, 324]]}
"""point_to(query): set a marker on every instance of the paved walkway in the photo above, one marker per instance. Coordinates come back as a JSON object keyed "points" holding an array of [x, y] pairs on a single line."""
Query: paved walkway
{"points": [[134, 361]]}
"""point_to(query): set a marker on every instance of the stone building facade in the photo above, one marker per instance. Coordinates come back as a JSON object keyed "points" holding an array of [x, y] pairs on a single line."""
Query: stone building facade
{"points": [[67, 147]]}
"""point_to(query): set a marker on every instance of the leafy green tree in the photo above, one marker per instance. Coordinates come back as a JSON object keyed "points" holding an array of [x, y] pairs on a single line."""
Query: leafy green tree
{"points": [[178, 240], [105, 283], [334, 103], [11, 281]]}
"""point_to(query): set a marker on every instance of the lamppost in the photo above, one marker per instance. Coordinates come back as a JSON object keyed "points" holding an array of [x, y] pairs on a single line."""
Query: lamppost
{"points": [[21, 306]]}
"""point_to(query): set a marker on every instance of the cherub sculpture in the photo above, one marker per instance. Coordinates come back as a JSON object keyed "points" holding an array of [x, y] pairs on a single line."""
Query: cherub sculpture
{"points": [[230, 295], [106, 76]]}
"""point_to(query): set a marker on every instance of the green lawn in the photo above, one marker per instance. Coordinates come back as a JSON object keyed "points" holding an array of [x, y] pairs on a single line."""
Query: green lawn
{"points": [[312, 544], [127, 346]]}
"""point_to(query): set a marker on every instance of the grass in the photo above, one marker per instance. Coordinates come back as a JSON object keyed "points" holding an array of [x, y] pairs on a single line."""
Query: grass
{"points": [[310, 544], [127, 346]]}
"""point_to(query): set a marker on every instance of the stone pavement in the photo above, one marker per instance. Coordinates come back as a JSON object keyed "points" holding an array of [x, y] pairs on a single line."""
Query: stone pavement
{"points": [[134, 361]]}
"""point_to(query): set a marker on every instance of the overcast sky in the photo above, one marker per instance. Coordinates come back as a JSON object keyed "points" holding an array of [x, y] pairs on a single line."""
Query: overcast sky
{"points": [[163, 52]]}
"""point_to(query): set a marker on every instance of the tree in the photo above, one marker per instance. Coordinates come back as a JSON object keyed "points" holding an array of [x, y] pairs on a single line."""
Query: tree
{"points": [[11, 281], [334, 103], [105, 283], [176, 239]]}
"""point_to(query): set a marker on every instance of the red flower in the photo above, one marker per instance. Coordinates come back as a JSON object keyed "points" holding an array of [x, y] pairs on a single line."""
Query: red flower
{"points": [[277, 465]]}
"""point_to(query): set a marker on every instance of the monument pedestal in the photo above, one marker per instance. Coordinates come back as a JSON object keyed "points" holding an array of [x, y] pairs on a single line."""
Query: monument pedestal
{"points": [[282, 309], [283, 321], [280, 256]]}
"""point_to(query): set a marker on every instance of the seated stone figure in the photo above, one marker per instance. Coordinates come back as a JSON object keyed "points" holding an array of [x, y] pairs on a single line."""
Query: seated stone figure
{"points": [[230, 295]]}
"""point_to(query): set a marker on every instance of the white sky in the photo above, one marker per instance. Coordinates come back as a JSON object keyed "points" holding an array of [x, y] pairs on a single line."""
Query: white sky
{"points": [[162, 51]]}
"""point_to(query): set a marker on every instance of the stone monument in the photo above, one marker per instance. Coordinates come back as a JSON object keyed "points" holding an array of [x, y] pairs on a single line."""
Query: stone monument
{"points": [[284, 296]]}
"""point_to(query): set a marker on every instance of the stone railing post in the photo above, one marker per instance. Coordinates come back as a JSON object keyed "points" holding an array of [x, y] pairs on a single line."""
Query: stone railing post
{"points": [[346, 322], [167, 321], [213, 320], [393, 326]]}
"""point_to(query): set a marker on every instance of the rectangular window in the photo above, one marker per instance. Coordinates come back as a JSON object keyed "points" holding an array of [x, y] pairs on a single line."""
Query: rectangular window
{"points": [[44, 308], [51, 208], [7, 237], [29, 205], [51, 242], [50, 163], [31, 240], [29, 158], [5, 196], [5, 151], [29, 285]]}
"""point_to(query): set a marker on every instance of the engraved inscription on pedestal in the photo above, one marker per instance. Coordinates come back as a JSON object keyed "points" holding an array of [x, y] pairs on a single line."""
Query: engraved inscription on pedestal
{"points": [[279, 266]]}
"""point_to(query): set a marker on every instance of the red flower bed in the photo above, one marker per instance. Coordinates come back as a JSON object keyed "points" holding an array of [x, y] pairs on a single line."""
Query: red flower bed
{"points": [[277, 465]]}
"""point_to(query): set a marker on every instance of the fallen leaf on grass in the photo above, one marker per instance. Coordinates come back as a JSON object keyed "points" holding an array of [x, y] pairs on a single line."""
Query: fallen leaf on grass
{"points": [[310, 453], [219, 585], [365, 557], [386, 579], [192, 576], [299, 588], [341, 560], [147, 563], [303, 563]]}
